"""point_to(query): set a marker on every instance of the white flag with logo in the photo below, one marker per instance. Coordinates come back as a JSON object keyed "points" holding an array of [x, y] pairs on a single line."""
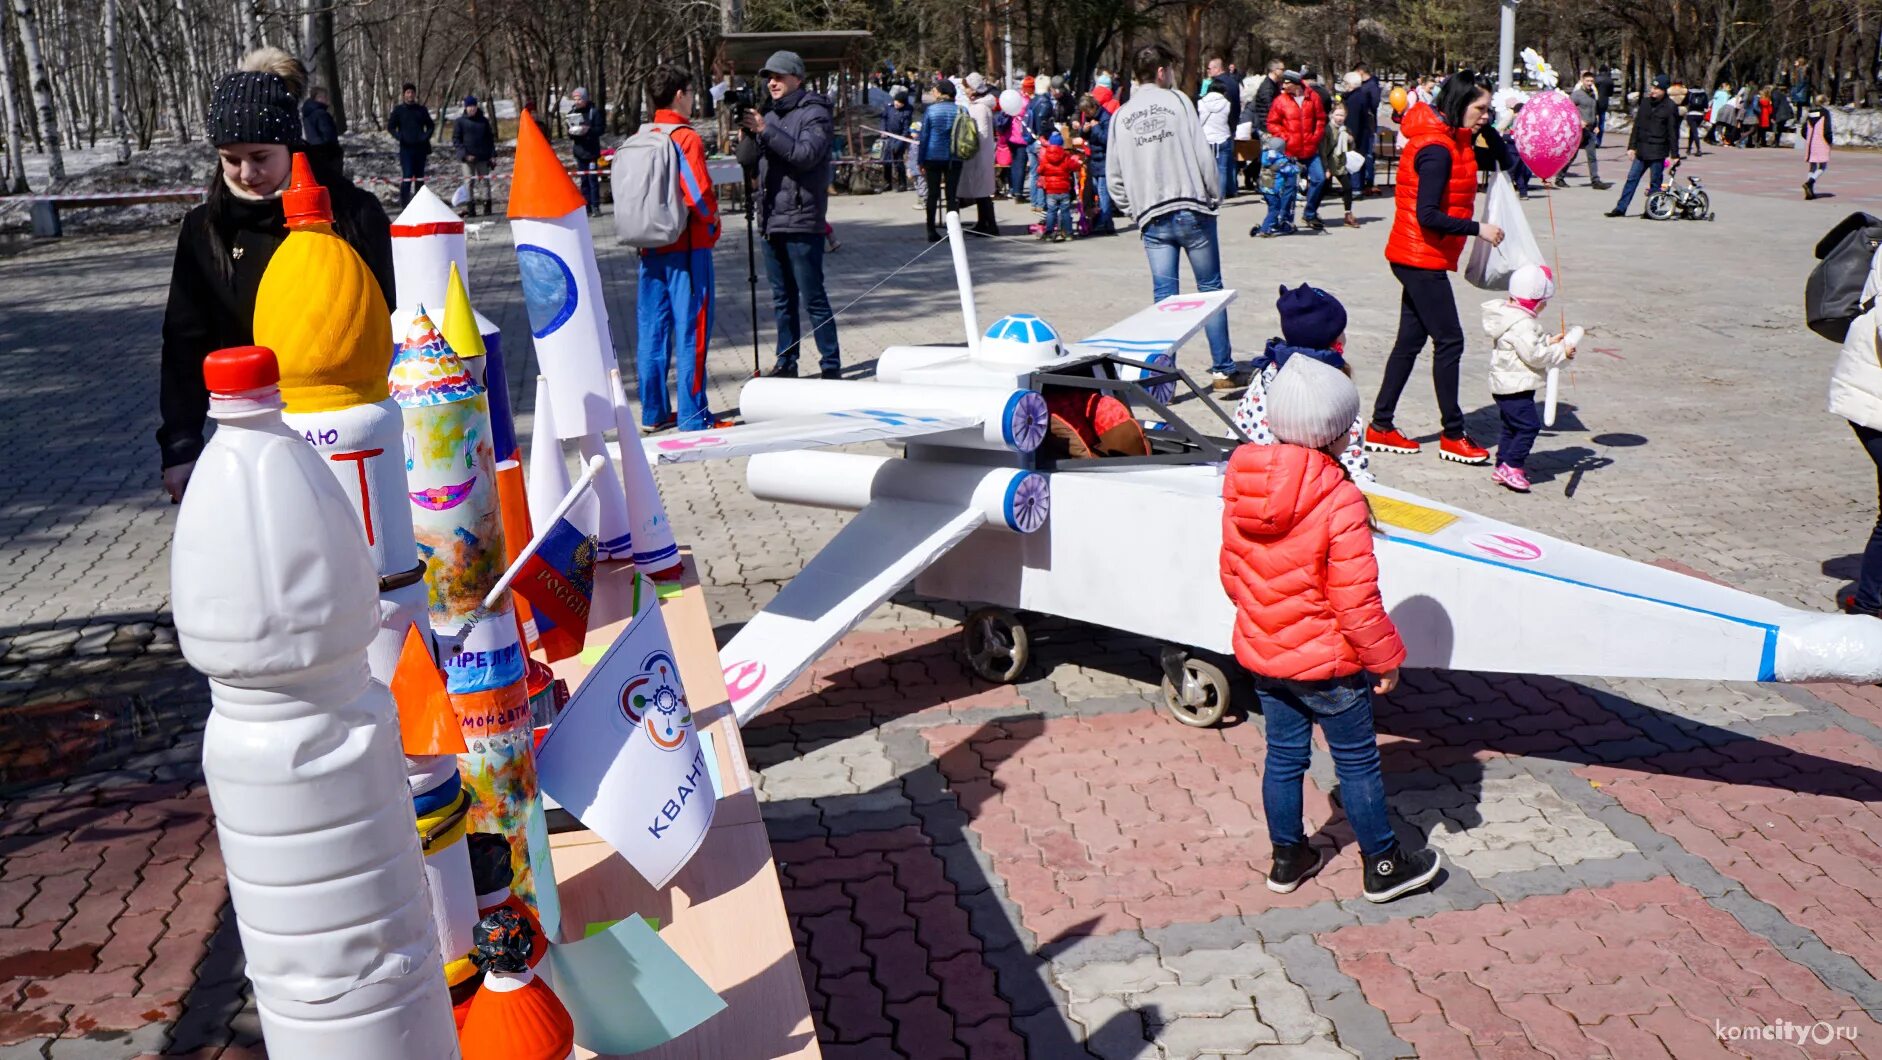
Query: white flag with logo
{"points": [[623, 756]]}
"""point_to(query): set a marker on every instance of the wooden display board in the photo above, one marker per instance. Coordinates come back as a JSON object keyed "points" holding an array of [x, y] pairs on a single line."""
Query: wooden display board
{"points": [[724, 913]]}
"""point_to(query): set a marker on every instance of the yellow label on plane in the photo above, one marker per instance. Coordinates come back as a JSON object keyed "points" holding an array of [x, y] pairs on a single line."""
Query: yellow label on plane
{"points": [[1408, 516]]}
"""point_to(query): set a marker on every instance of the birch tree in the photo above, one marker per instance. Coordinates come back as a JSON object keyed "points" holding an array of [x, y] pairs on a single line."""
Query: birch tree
{"points": [[114, 83], [16, 154], [48, 113]]}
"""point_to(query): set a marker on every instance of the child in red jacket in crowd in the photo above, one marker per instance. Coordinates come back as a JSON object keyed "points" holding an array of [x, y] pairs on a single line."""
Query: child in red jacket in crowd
{"points": [[1056, 168], [1309, 623]]}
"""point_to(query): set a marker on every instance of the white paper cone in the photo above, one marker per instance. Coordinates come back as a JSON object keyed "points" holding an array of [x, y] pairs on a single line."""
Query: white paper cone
{"points": [[548, 472], [654, 549]]}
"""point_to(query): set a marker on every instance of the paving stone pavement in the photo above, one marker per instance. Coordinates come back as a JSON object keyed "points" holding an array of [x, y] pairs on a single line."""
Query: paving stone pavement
{"points": [[1054, 869]]}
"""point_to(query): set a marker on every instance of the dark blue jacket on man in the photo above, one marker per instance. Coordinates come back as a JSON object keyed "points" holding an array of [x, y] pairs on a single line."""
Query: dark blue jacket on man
{"points": [[1096, 140], [896, 120], [1039, 116], [474, 139], [794, 165], [1362, 115], [411, 125]]}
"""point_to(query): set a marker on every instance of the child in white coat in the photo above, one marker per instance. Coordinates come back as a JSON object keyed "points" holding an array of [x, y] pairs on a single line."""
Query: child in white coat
{"points": [[1524, 353]]}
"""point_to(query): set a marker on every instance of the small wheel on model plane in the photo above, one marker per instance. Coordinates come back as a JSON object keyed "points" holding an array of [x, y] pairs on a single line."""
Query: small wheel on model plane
{"points": [[997, 645], [1195, 691]]}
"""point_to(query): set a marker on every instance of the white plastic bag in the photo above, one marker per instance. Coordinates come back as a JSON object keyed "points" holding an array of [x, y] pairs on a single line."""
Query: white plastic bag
{"points": [[462, 196], [1490, 266]]}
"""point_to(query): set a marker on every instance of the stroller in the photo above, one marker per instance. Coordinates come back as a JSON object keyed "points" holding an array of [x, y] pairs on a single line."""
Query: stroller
{"points": [[1690, 203]]}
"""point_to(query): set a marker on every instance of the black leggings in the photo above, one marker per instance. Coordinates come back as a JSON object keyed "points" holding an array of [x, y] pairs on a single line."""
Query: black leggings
{"points": [[1426, 310], [939, 173]]}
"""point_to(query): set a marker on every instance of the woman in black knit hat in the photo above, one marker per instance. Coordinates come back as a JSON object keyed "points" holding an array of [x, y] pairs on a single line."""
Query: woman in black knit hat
{"points": [[226, 243]]}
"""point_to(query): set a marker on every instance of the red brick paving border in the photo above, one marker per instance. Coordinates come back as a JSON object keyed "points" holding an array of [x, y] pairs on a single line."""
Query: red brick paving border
{"points": [[1635, 971], [107, 903], [883, 676], [1808, 842]]}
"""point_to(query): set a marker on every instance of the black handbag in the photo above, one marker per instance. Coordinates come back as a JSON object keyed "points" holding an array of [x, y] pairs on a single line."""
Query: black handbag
{"points": [[1845, 256]]}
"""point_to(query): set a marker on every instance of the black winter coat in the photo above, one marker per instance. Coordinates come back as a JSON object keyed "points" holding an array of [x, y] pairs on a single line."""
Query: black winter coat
{"points": [[587, 146], [1255, 111], [411, 125], [317, 127], [1362, 116], [221, 252], [474, 139], [1656, 130], [794, 165]]}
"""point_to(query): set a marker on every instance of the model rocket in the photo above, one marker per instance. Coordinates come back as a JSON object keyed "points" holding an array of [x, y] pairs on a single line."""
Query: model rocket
{"points": [[514, 1015], [567, 318], [320, 309], [452, 480], [273, 587]]}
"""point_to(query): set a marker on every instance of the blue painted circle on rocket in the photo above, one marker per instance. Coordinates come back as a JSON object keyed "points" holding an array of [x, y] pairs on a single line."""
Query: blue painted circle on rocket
{"points": [[1028, 500], [549, 290], [1026, 420]]}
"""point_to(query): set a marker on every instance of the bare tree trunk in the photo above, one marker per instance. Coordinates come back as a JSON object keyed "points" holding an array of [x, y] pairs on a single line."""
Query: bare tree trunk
{"points": [[41, 88], [114, 83], [1192, 44], [989, 39], [16, 154], [328, 65]]}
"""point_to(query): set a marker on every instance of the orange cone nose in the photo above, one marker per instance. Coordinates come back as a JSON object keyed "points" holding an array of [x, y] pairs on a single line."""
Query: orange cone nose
{"points": [[305, 203]]}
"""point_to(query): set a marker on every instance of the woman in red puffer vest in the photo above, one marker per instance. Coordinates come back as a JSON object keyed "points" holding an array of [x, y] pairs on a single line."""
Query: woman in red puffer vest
{"points": [[1310, 625], [1436, 195]]}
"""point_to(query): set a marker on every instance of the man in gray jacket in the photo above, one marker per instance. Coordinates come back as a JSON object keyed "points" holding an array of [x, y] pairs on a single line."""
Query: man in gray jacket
{"points": [[1586, 104], [793, 141], [1162, 172]]}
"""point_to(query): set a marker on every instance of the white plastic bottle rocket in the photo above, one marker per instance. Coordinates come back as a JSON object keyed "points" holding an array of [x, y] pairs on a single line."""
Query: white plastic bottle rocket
{"points": [[273, 589], [320, 310]]}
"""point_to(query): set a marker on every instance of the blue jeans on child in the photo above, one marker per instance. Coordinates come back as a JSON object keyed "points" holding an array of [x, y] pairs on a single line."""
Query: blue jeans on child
{"points": [[1059, 214], [1192, 234], [1316, 188], [674, 300], [1280, 204], [1343, 707], [1522, 421], [1038, 193], [1016, 173]]}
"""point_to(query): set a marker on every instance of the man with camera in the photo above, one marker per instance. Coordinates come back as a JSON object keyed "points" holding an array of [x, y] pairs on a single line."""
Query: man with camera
{"points": [[791, 141]]}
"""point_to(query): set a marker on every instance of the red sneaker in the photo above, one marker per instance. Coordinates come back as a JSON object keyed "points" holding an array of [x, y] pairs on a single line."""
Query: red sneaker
{"points": [[1463, 450], [1390, 442]]}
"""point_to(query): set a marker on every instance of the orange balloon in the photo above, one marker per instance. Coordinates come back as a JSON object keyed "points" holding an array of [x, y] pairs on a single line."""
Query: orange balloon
{"points": [[1398, 99]]}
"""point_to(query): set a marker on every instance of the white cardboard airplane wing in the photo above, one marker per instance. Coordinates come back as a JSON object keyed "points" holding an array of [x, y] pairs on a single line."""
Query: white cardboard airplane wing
{"points": [[1152, 335], [841, 427]]}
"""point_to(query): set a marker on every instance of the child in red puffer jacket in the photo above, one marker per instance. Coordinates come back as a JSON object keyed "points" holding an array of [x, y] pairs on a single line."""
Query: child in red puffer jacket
{"points": [[1056, 169], [1310, 625]]}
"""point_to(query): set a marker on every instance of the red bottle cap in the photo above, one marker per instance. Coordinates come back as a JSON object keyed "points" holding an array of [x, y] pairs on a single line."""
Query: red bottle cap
{"points": [[305, 203], [240, 368]]}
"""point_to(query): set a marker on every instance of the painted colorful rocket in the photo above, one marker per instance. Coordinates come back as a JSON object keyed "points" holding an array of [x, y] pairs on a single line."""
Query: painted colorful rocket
{"points": [[453, 492], [427, 246], [320, 309], [561, 286], [275, 601]]}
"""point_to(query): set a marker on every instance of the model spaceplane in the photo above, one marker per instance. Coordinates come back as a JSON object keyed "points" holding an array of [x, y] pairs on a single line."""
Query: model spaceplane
{"points": [[1018, 492]]}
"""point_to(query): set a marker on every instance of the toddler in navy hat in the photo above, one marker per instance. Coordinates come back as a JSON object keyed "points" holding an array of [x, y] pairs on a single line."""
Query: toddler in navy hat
{"points": [[1313, 327]]}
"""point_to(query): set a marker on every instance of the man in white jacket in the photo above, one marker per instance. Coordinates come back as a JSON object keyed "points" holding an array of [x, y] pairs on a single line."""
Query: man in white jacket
{"points": [[1162, 172]]}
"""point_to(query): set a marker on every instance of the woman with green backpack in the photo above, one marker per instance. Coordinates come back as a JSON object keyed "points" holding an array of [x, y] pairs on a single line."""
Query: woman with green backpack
{"points": [[944, 127]]}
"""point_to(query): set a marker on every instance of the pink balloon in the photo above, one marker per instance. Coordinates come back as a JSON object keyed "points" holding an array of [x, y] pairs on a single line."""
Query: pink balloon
{"points": [[1547, 132]]}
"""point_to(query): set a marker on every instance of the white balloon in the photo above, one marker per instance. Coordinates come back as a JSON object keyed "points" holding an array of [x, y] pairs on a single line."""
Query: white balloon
{"points": [[1012, 102]]}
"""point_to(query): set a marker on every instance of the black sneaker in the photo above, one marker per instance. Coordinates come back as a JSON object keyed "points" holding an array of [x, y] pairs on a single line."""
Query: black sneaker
{"points": [[782, 371], [1615, 213], [1397, 872], [830, 373], [1292, 865], [1600, 185]]}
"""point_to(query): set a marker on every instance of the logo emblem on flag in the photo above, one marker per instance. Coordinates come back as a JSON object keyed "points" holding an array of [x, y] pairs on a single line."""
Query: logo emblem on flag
{"points": [[655, 698]]}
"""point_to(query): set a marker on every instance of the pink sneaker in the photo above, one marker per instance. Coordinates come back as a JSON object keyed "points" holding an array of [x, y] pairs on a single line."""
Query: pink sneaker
{"points": [[1512, 478]]}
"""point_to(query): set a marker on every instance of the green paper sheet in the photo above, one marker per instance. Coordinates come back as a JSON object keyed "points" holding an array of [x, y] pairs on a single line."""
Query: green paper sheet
{"points": [[627, 990]]}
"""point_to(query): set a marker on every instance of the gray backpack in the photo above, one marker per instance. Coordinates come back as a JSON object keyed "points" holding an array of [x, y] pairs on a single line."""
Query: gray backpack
{"points": [[648, 172]]}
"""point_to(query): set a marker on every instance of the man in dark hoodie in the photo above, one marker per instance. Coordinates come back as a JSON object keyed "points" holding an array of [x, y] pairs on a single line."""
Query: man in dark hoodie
{"points": [[793, 143], [411, 125], [1362, 120], [1255, 112], [316, 120], [476, 144], [1655, 139]]}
